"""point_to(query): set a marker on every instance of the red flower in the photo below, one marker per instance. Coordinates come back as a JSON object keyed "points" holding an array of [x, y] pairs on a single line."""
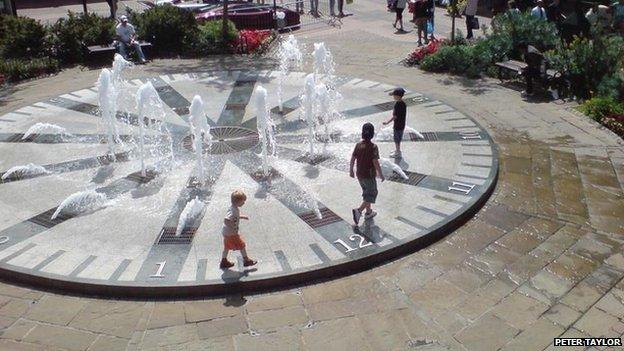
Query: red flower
{"points": [[250, 39]]}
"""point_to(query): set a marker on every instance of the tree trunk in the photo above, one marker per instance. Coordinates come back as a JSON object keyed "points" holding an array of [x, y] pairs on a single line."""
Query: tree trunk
{"points": [[224, 28], [453, 14], [84, 6]]}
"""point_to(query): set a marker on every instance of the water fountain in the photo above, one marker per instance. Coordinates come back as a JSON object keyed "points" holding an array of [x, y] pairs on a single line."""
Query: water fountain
{"points": [[307, 102], [107, 98], [80, 202], [201, 132], [290, 57], [265, 127], [190, 213], [146, 98], [45, 128], [119, 65], [30, 169]]}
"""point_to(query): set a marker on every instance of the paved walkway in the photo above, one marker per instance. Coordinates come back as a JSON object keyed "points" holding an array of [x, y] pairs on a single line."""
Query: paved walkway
{"points": [[542, 259]]}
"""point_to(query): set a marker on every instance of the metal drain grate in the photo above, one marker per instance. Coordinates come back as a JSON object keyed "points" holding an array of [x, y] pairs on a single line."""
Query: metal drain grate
{"points": [[313, 221], [413, 178], [138, 178], [44, 219], [168, 236], [428, 136], [314, 160], [226, 140]]}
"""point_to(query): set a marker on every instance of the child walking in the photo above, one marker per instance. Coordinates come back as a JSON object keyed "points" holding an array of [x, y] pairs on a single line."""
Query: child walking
{"points": [[366, 154], [398, 117], [231, 237]]}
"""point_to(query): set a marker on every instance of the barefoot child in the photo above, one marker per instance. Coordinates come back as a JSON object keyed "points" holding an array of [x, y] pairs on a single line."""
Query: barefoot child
{"points": [[367, 156], [231, 237]]}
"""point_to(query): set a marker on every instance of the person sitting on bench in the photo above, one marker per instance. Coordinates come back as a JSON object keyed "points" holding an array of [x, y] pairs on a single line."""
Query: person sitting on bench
{"points": [[126, 37], [534, 60]]}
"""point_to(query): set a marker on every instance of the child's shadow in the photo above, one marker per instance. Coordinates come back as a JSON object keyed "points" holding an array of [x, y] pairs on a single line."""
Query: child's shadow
{"points": [[230, 276], [236, 300]]}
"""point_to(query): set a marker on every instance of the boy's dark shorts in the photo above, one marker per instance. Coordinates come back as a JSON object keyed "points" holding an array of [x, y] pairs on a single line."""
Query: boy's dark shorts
{"points": [[398, 135], [369, 189], [399, 13]]}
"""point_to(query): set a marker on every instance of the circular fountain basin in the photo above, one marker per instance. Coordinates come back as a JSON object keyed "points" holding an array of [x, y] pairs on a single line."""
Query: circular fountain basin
{"points": [[133, 245]]}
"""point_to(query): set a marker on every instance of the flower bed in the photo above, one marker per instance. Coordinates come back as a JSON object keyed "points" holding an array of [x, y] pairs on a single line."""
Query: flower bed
{"points": [[416, 57], [250, 40]]}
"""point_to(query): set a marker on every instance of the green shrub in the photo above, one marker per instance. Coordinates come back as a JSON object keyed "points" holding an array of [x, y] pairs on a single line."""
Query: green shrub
{"points": [[14, 70], [210, 38], [589, 64], [22, 37], [170, 29], [71, 34], [600, 107], [509, 30]]}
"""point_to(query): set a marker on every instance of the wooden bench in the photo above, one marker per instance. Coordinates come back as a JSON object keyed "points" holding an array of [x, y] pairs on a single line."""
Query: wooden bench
{"points": [[547, 77], [96, 50]]}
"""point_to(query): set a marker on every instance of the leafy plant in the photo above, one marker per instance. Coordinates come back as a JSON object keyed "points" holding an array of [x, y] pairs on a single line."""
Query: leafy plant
{"points": [[210, 38], [71, 34], [16, 69], [600, 107], [170, 29], [22, 37], [250, 40], [420, 53], [590, 65]]}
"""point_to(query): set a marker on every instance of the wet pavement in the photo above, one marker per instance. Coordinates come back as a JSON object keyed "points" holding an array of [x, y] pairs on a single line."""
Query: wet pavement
{"points": [[542, 259]]}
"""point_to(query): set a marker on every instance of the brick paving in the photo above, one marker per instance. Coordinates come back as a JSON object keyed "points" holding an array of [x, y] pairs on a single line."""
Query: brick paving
{"points": [[542, 259]]}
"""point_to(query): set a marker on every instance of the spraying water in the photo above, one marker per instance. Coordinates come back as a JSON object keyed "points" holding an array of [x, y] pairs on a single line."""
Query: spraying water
{"points": [[290, 57], [308, 102], [201, 132], [107, 97], [388, 168], [45, 128], [30, 169], [191, 212], [80, 202], [322, 106], [388, 132], [146, 98], [265, 127], [119, 65]]}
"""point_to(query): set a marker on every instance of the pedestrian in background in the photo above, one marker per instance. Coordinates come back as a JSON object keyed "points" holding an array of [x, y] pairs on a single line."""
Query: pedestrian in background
{"points": [[471, 20], [399, 7]]}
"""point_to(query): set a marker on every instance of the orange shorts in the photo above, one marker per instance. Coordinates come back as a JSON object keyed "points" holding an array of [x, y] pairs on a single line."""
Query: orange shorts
{"points": [[233, 242]]}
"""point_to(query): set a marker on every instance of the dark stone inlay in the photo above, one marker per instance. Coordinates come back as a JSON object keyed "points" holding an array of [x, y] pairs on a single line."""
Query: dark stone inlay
{"points": [[234, 109], [478, 155], [202, 267], [471, 176], [225, 140], [283, 261], [75, 95], [444, 112], [39, 107], [293, 197], [411, 223], [475, 165], [59, 139], [432, 211], [444, 198], [120, 269], [22, 113], [319, 253], [434, 104], [48, 260], [456, 119], [175, 255], [94, 110], [464, 144], [18, 252], [464, 127], [7, 120], [70, 166], [328, 217], [171, 97], [82, 266]]}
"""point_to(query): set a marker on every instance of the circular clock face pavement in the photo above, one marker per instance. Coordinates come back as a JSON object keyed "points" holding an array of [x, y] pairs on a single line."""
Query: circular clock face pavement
{"points": [[131, 233]]}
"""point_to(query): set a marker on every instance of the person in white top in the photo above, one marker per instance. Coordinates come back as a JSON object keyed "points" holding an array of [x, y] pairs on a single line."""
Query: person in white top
{"points": [[232, 239], [126, 37], [539, 11]]}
